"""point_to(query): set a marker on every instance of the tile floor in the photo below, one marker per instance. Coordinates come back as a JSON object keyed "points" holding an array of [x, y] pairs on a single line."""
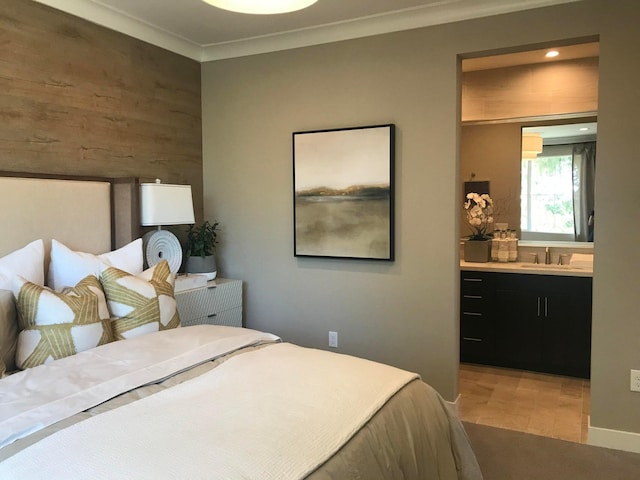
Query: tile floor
{"points": [[548, 405]]}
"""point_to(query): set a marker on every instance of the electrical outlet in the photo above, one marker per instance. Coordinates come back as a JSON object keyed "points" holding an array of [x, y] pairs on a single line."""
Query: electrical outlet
{"points": [[333, 339], [635, 380]]}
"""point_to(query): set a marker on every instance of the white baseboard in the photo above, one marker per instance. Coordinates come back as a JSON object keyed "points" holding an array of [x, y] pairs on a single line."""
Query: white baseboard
{"points": [[617, 439], [455, 405]]}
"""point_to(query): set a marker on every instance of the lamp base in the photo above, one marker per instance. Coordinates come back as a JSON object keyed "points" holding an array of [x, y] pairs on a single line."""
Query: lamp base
{"points": [[162, 245]]}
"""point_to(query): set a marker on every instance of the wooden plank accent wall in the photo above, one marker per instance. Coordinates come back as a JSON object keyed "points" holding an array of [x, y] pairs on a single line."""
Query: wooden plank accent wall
{"points": [[77, 98], [531, 90]]}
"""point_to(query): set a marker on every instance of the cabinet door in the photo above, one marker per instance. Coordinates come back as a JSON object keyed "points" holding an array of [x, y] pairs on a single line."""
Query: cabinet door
{"points": [[567, 327], [518, 327]]}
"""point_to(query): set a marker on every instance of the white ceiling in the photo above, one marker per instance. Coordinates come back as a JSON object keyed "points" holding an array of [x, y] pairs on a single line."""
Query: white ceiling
{"points": [[564, 131], [200, 31], [528, 57]]}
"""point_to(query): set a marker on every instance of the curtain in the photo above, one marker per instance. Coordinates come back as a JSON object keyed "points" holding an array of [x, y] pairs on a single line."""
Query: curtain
{"points": [[584, 174]]}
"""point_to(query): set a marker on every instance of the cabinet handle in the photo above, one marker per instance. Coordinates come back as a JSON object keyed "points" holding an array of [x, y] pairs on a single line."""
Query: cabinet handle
{"points": [[546, 299], [472, 279], [472, 296], [212, 315], [475, 314], [538, 306], [211, 287], [471, 339]]}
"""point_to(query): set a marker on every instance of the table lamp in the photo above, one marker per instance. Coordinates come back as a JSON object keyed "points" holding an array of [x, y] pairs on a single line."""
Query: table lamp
{"points": [[164, 204]]}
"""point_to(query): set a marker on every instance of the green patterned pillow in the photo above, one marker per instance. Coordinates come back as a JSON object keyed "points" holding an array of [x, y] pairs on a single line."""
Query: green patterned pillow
{"points": [[142, 303], [59, 324]]}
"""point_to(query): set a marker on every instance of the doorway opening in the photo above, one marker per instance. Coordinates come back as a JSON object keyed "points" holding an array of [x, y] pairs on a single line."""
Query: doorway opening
{"points": [[502, 95]]}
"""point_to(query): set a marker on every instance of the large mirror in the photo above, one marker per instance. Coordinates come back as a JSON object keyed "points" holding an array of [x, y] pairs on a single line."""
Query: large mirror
{"points": [[540, 197], [506, 95], [557, 180]]}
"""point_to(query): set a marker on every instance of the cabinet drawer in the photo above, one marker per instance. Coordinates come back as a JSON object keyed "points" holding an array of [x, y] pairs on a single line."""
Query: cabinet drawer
{"points": [[473, 304], [203, 302], [475, 351], [230, 318], [474, 328], [475, 283]]}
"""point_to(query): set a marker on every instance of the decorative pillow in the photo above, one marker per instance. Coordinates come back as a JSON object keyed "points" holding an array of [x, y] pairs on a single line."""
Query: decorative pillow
{"points": [[28, 262], [140, 304], [8, 331], [67, 267], [59, 324]]}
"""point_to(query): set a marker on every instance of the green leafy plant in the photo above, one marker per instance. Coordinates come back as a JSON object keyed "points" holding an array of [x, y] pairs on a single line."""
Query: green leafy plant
{"points": [[202, 239]]}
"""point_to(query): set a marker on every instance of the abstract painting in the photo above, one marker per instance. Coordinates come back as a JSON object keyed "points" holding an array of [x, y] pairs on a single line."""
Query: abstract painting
{"points": [[344, 192]]}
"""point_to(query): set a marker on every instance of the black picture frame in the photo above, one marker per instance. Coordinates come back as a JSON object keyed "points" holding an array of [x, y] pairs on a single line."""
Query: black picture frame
{"points": [[343, 192], [476, 186]]}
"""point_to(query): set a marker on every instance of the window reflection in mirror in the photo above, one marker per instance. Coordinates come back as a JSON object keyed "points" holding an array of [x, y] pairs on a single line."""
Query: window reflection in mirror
{"points": [[557, 182]]}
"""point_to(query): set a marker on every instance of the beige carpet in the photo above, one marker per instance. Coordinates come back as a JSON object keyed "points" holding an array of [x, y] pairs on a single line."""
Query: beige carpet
{"points": [[509, 455]]}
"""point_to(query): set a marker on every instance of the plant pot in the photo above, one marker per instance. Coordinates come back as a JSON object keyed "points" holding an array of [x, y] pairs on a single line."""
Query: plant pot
{"points": [[205, 265], [478, 251]]}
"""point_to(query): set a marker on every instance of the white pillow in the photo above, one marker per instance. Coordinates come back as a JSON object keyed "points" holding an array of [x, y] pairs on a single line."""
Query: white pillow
{"points": [[67, 267], [27, 262]]}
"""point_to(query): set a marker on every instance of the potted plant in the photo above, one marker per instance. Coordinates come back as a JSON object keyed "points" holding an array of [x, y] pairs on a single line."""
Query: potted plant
{"points": [[479, 210], [200, 249]]}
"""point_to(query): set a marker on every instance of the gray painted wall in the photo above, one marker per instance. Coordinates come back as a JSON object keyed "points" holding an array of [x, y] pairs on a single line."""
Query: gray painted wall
{"points": [[405, 313], [492, 152]]}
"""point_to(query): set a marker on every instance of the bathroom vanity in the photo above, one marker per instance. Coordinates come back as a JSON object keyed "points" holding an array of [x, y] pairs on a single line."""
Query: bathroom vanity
{"points": [[532, 317]]}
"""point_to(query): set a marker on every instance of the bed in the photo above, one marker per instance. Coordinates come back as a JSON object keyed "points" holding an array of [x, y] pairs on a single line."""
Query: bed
{"points": [[195, 402]]}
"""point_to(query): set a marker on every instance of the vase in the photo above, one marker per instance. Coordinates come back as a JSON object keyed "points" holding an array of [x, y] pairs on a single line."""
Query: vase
{"points": [[204, 265], [478, 251]]}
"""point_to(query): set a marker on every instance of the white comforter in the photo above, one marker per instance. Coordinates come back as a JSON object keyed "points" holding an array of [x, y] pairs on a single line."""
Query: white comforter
{"points": [[261, 414]]}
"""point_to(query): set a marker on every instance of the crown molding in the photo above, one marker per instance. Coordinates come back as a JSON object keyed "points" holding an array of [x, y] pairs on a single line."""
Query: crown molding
{"points": [[445, 11], [128, 25]]}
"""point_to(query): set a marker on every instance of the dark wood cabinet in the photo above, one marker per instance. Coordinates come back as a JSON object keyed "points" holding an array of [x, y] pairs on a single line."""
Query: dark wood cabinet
{"points": [[533, 322], [476, 324]]}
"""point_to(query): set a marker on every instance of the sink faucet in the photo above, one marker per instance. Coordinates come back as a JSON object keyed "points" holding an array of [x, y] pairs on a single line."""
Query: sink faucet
{"points": [[547, 256]]}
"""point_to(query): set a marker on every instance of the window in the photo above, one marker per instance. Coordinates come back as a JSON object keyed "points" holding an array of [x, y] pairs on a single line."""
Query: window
{"points": [[547, 192]]}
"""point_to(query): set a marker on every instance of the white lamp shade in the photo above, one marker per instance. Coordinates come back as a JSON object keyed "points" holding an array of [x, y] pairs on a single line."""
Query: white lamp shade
{"points": [[531, 145], [165, 204], [526, 155]]}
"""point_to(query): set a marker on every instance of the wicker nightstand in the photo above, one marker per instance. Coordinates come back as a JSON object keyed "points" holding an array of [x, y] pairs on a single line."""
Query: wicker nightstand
{"points": [[219, 303]]}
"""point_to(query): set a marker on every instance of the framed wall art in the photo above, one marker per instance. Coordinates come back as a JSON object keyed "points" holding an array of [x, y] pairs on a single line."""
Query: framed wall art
{"points": [[344, 192]]}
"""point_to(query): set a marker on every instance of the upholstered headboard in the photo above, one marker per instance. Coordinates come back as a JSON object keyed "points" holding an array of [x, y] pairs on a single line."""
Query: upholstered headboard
{"points": [[92, 215]]}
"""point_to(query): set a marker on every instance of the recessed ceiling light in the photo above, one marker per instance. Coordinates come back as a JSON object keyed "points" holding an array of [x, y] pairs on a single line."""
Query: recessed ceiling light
{"points": [[552, 53], [260, 7], [584, 129]]}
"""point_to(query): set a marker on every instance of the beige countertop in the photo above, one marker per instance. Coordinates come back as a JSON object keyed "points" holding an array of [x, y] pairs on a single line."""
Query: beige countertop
{"points": [[528, 268]]}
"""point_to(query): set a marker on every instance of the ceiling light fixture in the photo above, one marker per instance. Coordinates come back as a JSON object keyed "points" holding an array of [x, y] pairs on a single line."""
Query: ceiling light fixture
{"points": [[261, 7], [552, 53]]}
